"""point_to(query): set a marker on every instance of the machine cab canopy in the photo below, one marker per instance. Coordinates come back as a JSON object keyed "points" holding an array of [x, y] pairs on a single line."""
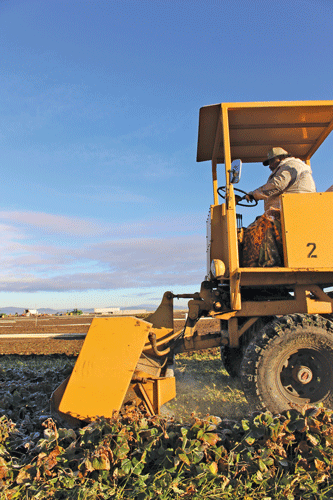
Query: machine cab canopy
{"points": [[248, 130]]}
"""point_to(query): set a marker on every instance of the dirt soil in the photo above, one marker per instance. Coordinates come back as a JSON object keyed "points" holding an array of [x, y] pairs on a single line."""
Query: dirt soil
{"points": [[71, 345]]}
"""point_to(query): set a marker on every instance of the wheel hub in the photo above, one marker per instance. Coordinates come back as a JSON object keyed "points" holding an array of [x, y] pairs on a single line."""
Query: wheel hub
{"points": [[302, 374]]}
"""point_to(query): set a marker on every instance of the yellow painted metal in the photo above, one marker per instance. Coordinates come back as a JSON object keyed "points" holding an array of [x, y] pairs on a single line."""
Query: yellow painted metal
{"points": [[162, 321], [235, 296], [274, 307], [197, 342], [214, 169], [104, 368], [247, 130], [307, 228], [217, 243], [150, 393], [300, 127], [271, 308], [166, 390], [235, 332], [226, 146], [55, 402], [262, 276], [215, 184], [159, 392]]}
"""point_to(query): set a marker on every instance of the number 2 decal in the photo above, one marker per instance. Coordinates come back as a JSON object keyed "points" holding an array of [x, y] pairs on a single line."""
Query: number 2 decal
{"points": [[311, 255]]}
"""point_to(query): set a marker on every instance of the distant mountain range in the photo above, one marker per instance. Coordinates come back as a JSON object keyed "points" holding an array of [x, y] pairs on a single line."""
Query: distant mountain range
{"points": [[20, 310], [45, 310]]}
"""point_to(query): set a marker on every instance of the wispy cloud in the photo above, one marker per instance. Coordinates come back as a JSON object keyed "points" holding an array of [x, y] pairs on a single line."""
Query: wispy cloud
{"points": [[54, 223], [45, 223], [62, 254]]}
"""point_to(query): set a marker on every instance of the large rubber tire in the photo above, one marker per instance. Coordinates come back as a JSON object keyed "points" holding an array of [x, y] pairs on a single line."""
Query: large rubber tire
{"points": [[232, 359], [289, 364]]}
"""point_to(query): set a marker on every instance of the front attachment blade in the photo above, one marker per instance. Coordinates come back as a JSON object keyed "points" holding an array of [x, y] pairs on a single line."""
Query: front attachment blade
{"points": [[104, 368]]}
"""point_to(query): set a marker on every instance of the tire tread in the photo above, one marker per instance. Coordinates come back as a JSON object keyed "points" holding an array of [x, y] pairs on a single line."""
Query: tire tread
{"points": [[257, 348]]}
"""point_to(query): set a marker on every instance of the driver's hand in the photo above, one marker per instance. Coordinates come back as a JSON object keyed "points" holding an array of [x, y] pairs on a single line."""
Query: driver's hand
{"points": [[238, 198], [249, 197]]}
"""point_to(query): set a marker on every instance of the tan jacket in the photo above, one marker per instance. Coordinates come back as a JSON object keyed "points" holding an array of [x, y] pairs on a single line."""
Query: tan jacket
{"points": [[291, 176]]}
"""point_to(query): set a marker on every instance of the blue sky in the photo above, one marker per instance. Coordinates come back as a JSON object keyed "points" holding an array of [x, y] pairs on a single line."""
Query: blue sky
{"points": [[102, 202]]}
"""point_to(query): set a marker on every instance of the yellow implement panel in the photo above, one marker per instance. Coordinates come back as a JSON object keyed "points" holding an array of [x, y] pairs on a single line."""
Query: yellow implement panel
{"points": [[104, 368], [307, 227]]}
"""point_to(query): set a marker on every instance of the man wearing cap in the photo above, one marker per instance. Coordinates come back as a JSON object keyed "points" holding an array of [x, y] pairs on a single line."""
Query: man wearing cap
{"points": [[289, 175], [262, 244]]}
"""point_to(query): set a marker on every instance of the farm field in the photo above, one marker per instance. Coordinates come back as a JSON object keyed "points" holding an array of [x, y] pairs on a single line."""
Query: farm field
{"points": [[207, 444], [203, 386], [13, 326], [71, 325]]}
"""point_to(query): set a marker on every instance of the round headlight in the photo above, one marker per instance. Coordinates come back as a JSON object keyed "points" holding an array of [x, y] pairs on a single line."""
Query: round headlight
{"points": [[217, 268]]}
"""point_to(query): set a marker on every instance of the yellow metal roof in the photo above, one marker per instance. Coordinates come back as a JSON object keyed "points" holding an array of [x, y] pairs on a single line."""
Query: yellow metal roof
{"points": [[297, 126]]}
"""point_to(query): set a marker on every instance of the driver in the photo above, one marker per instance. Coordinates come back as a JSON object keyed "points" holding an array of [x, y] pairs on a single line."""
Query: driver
{"points": [[262, 243], [289, 175]]}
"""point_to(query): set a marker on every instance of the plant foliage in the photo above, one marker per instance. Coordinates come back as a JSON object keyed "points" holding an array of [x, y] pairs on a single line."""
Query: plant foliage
{"points": [[288, 456]]}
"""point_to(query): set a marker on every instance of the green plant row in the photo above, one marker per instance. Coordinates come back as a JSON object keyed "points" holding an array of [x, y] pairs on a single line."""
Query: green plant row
{"points": [[289, 456]]}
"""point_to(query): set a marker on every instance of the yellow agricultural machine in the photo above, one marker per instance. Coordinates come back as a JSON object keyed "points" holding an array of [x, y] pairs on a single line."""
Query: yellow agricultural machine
{"points": [[274, 328]]}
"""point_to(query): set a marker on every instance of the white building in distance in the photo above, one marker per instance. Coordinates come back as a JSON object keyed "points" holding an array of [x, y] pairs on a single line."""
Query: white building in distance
{"points": [[107, 310], [30, 312], [116, 311]]}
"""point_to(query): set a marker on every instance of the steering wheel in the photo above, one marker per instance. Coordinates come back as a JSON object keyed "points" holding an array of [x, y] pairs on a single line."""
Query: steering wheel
{"points": [[221, 192]]}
